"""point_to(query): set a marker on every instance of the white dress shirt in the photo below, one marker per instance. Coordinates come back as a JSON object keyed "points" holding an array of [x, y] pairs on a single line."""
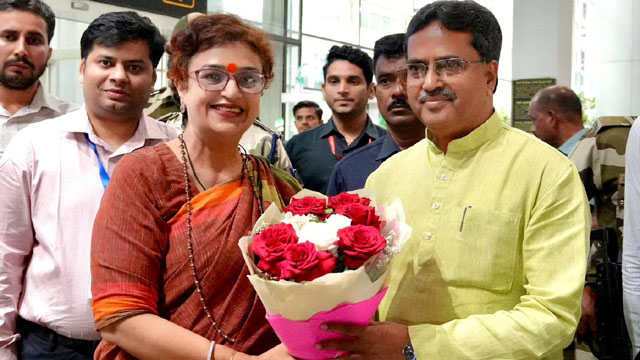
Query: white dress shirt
{"points": [[631, 245], [50, 192], [42, 107]]}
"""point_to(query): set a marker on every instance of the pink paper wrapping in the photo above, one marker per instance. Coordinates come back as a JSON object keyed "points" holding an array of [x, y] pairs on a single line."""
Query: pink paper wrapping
{"points": [[301, 337]]}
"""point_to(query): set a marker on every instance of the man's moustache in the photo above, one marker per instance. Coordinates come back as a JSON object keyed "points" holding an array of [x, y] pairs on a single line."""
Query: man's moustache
{"points": [[447, 93], [22, 60], [398, 103]]}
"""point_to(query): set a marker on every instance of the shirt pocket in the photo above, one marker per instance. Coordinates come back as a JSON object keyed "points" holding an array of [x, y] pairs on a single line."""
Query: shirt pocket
{"points": [[479, 249]]}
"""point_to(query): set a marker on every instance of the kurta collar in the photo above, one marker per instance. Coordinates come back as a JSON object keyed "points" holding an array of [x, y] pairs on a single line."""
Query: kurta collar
{"points": [[483, 133]]}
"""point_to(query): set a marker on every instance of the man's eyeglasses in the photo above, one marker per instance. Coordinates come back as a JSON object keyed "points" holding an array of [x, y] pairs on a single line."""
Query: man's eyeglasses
{"points": [[211, 79], [416, 72]]}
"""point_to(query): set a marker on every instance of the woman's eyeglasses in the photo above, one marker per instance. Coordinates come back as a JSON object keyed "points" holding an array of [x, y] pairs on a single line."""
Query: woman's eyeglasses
{"points": [[211, 79]]}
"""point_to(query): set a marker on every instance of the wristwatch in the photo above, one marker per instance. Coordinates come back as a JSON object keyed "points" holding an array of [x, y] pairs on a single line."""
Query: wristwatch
{"points": [[408, 352]]}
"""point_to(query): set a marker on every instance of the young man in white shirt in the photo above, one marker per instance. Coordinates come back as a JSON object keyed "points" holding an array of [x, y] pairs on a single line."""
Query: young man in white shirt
{"points": [[52, 178]]}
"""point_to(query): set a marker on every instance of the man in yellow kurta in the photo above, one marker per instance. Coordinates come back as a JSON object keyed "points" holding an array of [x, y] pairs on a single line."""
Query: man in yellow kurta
{"points": [[496, 263]]}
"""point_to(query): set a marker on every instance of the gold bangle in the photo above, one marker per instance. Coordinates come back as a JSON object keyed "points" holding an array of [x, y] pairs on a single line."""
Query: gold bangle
{"points": [[232, 355]]}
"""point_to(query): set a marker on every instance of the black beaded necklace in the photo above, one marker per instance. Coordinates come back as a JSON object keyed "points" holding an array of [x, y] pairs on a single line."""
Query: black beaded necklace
{"points": [[184, 157]]}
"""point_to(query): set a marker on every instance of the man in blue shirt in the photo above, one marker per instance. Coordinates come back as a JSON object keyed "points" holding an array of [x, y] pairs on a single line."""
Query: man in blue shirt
{"points": [[348, 87], [556, 118], [403, 127]]}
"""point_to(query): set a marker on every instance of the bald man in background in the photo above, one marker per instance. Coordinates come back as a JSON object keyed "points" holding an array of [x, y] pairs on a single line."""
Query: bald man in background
{"points": [[556, 118]]}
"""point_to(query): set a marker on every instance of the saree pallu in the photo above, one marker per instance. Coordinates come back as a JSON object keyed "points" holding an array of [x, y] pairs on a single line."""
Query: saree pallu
{"points": [[140, 261]]}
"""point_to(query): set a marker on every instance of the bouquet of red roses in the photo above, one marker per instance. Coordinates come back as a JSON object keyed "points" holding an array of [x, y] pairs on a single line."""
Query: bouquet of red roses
{"points": [[322, 260]]}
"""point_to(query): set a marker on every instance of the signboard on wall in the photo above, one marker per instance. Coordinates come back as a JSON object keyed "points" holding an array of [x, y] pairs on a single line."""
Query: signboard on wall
{"points": [[523, 91], [174, 8]]}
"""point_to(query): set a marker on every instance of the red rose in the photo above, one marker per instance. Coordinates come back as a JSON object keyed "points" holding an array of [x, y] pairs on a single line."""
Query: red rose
{"points": [[303, 263], [271, 244], [306, 205], [346, 198], [359, 243], [359, 214]]}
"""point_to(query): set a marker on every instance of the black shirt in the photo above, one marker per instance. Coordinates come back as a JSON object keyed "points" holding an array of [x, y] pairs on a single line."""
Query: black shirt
{"points": [[312, 157], [352, 172]]}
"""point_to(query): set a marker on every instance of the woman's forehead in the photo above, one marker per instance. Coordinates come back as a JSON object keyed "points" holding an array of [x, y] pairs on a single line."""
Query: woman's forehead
{"points": [[228, 56]]}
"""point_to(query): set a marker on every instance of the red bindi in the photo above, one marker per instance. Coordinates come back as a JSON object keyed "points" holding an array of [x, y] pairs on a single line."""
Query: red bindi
{"points": [[232, 67]]}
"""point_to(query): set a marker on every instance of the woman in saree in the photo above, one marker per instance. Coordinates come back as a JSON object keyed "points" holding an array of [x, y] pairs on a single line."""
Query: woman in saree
{"points": [[169, 281]]}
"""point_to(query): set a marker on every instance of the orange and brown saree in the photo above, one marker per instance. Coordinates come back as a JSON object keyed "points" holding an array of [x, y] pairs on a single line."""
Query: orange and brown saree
{"points": [[140, 261]]}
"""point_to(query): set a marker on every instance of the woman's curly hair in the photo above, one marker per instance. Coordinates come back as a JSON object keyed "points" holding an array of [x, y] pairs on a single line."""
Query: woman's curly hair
{"points": [[208, 31]]}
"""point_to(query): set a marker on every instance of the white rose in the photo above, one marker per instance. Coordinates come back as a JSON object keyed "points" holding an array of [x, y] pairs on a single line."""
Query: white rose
{"points": [[297, 221], [323, 235], [338, 221]]}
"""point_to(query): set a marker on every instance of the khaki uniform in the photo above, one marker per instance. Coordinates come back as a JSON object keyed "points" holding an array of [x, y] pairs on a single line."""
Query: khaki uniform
{"points": [[259, 139], [599, 158]]}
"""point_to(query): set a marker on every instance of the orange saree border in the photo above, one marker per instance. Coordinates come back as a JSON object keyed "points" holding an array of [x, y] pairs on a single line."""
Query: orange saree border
{"points": [[210, 197]]}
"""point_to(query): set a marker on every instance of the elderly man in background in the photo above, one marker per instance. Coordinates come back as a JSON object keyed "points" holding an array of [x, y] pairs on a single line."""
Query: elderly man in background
{"points": [[556, 118]]}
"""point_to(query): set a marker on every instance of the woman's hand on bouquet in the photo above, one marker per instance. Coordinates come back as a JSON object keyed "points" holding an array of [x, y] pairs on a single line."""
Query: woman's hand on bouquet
{"points": [[276, 353], [379, 340]]}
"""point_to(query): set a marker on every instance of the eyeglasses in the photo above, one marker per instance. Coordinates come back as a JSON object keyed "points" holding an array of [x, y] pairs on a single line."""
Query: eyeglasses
{"points": [[210, 79], [416, 72]]}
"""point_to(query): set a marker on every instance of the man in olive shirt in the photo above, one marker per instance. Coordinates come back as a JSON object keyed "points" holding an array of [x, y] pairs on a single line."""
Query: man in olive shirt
{"points": [[495, 265], [348, 86]]}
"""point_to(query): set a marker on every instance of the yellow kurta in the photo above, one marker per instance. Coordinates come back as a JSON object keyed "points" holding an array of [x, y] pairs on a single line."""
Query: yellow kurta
{"points": [[495, 266]]}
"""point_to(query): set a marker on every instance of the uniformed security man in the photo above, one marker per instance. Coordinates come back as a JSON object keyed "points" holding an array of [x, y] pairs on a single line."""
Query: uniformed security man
{"points": [[599, 157]]}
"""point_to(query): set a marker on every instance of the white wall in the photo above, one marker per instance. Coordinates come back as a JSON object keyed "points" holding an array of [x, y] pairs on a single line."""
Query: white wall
{"points": [[618, 81], [542, 39]]}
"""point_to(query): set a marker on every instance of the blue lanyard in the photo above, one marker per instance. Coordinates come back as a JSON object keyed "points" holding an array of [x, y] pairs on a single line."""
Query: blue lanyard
{"points": [[104, 176]]}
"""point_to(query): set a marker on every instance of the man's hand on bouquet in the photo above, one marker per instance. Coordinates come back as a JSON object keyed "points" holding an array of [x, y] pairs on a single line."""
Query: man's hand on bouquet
{"points": [[379, 340], [276, 353]]}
